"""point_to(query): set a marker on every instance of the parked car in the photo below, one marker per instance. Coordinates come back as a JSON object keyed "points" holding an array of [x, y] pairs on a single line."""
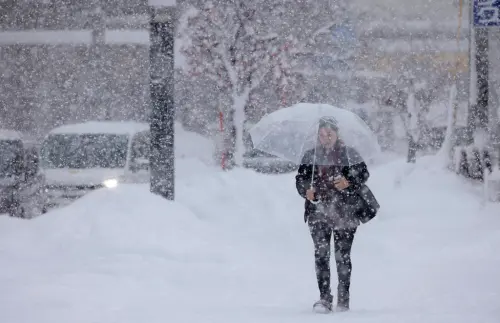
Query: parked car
{"points": [[267, 163], [21, 182], [79, 158]]}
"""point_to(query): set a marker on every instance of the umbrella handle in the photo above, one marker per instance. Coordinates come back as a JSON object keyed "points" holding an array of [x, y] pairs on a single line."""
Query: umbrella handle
{"points": [[311, 187], [312, 173]]}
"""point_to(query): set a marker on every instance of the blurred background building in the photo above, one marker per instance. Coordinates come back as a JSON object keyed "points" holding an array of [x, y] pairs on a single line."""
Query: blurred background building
{"points": [[65, 60]]}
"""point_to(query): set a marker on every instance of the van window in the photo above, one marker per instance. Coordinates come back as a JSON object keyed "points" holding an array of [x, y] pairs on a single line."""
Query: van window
{"points": [[82, 151], [32, 162], [140, 146], [11, 158]]}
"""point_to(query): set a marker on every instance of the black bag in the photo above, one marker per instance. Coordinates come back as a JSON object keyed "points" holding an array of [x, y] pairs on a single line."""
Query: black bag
{"points": [[370, 204]]}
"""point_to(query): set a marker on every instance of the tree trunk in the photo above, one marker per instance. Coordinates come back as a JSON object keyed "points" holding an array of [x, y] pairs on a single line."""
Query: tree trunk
{"points": [[412, 149], [237, 145], [446, 150]]}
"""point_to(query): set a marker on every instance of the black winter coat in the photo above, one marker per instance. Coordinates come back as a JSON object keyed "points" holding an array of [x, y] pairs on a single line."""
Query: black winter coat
{"points": [[356, 203]]}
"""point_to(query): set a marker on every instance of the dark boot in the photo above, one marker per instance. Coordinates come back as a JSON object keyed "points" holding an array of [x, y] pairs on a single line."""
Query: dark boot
{"points": [[323, 278], [323, 306], [342, 299], [321, 234], [343, 244]]}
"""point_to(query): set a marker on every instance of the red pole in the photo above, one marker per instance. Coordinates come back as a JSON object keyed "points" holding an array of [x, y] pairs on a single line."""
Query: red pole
{"points": [[221, 127], [283, 98]]}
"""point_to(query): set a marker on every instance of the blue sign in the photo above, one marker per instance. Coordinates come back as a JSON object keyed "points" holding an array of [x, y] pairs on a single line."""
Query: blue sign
{"points": [[486, 13], [344, 34]]}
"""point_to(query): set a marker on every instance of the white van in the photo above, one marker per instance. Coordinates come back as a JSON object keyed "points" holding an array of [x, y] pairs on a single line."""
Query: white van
{"points": [[78, 158]]}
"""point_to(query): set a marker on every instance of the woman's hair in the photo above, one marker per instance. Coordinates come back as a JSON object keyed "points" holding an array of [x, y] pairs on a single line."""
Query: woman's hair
{"points": [[328, 122]]}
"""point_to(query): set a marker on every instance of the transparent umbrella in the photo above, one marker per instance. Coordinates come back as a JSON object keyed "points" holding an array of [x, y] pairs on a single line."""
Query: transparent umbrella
{"points": [[290, 132]]}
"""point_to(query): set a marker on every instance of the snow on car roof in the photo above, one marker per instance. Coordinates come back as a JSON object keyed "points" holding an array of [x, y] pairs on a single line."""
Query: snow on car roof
{"points": [[100, 127], [6, 134]]}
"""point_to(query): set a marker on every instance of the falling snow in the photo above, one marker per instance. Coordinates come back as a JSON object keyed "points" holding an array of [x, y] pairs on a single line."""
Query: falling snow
{"points": [[82, 148]]}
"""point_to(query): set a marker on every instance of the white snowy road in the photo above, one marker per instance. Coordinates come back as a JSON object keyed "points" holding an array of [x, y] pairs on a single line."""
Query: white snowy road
{"points": [[234, 248]]}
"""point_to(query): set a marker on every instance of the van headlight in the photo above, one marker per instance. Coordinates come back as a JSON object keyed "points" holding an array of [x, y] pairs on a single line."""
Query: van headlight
{"points": [[110, 183]]}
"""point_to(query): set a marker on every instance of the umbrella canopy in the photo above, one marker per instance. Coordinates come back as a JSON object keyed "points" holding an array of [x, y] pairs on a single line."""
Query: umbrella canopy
{"points": [[290, 132]]}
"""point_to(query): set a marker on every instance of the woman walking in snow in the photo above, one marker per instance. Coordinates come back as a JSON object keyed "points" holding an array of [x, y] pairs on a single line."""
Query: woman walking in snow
{"points": [[337, 201]]}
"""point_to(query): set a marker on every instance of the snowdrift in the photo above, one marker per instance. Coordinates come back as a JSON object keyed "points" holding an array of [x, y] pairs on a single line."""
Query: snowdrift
{"points": [[92, 260], [233, 248], [190, 145], [130, 217], [125, 218]]}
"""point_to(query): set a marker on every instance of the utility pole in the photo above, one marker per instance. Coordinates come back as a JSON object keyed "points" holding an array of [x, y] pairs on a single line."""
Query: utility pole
{"points": [[482, 70], [161, 85], [486, 15]]}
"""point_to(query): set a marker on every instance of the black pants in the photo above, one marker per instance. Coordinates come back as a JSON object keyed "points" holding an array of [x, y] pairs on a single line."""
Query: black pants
{"points": [[321, 233]]}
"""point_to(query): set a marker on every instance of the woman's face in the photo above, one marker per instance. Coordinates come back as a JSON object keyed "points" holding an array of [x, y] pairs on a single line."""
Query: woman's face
{"points": [[327, 137]]}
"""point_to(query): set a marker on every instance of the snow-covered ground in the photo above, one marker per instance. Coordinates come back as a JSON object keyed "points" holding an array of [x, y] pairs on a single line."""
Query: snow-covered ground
{"points": [[234, 248]]}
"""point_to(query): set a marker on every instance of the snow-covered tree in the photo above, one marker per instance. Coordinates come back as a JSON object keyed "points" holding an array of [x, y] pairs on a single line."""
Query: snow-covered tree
{"points": [[233, 44], [288, 81], [250, 47]]}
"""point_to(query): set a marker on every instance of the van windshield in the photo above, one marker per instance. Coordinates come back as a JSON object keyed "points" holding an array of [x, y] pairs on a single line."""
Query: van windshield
{"points": [[85, 151], [11, 158]]}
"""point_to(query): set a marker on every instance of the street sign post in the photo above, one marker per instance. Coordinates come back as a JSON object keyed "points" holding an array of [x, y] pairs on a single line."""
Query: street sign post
{"points": [[486, 13]]}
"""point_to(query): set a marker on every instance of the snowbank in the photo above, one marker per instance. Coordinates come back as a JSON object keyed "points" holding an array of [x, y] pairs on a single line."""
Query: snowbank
{"points": [[233, 248], [198, 227], [125, 218], [192, 146]]}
